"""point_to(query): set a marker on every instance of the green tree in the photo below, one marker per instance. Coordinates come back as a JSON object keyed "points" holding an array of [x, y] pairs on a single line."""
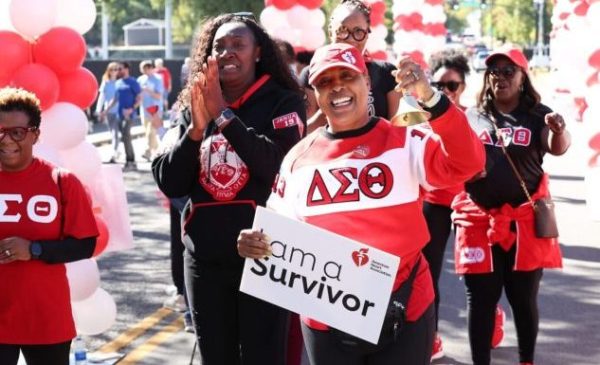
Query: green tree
{"points": [[515, 21]]}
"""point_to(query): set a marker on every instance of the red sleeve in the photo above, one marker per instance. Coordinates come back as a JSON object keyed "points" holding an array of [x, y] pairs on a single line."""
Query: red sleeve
{"points": [[78, 216], [458, 156]]}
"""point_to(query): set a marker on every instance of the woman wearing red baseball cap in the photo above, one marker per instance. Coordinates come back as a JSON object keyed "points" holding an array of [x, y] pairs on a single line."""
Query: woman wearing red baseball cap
{"points": [[497, 246], [386, 214]]}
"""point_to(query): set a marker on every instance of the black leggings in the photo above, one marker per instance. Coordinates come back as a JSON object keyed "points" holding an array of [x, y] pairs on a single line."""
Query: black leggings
{"points": [[54, 354], [232, 327], [483, 294], [176, 250], [439, 225], [413, 346]]}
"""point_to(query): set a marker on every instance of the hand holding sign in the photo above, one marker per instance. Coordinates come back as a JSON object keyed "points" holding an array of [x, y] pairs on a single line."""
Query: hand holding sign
{"points": [[254, 244]]}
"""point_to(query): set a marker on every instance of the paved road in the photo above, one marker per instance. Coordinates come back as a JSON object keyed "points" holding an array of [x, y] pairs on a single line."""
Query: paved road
{"points": [[568, 299]]}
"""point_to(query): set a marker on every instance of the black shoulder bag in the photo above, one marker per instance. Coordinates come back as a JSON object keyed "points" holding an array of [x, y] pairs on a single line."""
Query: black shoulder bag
{"points": [[543, 208], [393, 323]]}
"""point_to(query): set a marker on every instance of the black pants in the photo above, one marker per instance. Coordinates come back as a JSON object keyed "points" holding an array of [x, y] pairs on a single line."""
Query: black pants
{"points": [[413, 346], [232, 327], [439, 225], [55, 354], [127, 141], [483, 293], [176, 250]]}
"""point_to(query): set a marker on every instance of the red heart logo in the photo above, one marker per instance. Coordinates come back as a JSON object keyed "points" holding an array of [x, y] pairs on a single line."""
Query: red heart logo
{"points": [[222, 173], [360, 257]]}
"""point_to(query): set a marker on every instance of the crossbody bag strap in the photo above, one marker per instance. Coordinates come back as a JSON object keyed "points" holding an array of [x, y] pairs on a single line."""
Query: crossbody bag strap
{"points": [[56, 175], [510, 161]]}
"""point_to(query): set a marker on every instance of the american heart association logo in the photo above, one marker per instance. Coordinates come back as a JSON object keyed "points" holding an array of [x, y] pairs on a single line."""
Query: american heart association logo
{"points": [[360, 257]]}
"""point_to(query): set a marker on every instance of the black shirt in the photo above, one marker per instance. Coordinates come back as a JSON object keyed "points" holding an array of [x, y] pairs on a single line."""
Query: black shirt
{"points": [[522, 134], [382, 82]]}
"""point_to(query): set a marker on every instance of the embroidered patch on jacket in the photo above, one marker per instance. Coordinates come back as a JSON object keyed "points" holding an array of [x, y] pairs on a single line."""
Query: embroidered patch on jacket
{"points": [[289, 120]]}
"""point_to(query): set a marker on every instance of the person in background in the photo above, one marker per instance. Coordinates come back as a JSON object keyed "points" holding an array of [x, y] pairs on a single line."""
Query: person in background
{"points": [[350, 23], [128, 98], [390, 220], [449, 71], [496, 244], [106, 93], [151, 106], [165, 75], [243, 111], [185, 72], [288, 54], [49, 222]]}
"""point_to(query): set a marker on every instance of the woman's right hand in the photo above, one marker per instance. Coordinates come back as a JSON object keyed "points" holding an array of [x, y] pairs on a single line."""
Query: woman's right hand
{"points": [[254, 244], [200, 117]]}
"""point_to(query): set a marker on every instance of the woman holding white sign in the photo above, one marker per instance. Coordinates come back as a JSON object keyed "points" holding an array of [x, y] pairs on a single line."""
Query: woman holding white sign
{"points": [[360, 177]]}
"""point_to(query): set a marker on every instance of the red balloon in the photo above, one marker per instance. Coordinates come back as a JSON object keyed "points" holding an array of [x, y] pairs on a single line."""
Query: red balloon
{"points": [[379, 55], [283, 4], [102, 239], [79, 88], [594, 59], [39, 80], [61, 48], [594, 142], [581, 9], [15, 53], [310, 4], [593, 79]]}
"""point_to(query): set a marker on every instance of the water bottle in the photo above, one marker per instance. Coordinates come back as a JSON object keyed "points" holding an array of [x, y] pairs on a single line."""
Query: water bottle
{"points": [[79, 351]]}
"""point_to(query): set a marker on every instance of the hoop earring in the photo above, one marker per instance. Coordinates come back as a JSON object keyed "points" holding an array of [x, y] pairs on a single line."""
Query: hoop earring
{"points": [[521, 88]]}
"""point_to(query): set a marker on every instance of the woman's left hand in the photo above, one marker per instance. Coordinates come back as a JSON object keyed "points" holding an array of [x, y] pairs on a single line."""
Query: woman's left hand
{"points": [[211, 89], [555, 122], [411, 77], [13, 249]]}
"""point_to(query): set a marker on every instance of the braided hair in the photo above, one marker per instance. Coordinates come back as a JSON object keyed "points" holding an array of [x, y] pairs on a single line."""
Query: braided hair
{"points": [[358, 5], [270, 62]]}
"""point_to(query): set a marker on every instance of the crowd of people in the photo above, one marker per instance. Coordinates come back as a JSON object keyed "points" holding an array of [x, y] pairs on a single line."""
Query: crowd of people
{"points": [[253, 126]]}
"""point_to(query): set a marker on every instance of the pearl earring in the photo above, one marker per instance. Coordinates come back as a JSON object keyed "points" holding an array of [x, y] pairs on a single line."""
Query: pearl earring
{"points": [[257, 59]]}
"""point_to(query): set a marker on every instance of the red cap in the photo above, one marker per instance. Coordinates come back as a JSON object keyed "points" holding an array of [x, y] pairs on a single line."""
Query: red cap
{"points": [[514, 54], [335, 55]]}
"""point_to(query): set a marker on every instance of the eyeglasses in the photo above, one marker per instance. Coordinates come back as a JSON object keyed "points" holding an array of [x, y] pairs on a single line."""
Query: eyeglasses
{"points": [[359, 34], [452, 86], [507, 71], [17, 134], [246, 14]]}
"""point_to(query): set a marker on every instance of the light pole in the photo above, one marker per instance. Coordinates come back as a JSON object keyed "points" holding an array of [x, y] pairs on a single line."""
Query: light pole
{"points": [[539, 48], [168, 28]]}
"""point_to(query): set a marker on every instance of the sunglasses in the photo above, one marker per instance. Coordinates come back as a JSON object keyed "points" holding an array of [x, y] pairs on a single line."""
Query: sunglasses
{"points": [[359, 34], [452, 86], [246, 14], [507, 71], [17, 134]]}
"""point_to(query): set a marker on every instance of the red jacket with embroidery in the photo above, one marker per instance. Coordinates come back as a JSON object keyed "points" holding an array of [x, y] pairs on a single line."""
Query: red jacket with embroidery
{"points": [[35, 305], [477, 230], [364, 184]]}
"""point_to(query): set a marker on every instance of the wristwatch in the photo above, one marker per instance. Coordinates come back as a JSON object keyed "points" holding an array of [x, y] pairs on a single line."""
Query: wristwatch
{"points": [[35, 249], [226, 116]]}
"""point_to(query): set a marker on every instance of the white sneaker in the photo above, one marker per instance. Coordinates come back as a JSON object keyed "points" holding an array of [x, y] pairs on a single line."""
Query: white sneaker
{"points": [[176, 303]]}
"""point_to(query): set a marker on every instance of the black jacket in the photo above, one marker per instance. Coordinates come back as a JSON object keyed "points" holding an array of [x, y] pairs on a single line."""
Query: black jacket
{"points": [[243, 160]]}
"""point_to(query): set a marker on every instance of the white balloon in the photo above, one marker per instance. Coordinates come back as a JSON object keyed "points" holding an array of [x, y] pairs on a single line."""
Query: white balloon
{"points": [[47, 153], [64, 126], [593, 18], [291, 35], [376, 44], [316, 18], [84, 161], [272, 18], [76, 14], [312, 38], [84, 278], [297, 16], [379, 31], [95, 314], [32, 18], [5, 23]]}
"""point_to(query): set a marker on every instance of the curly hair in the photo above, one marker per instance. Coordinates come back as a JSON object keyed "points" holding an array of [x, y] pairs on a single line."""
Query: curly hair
{"points": [[452, 60], [362, 8], [19, 100], [271, 62], [528, 96]]}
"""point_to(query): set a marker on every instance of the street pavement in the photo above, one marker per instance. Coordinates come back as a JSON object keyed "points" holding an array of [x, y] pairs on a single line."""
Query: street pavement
{"points": [[569, 299]]}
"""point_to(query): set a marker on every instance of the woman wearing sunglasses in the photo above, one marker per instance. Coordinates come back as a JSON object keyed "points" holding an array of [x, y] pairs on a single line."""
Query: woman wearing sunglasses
{"points": [[350, 23], [497, 246], [106, 112], [241, 112], [45, 221]]}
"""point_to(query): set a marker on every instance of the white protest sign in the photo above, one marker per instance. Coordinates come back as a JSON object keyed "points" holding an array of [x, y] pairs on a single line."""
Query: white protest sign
{"points": [[319, 274]]}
